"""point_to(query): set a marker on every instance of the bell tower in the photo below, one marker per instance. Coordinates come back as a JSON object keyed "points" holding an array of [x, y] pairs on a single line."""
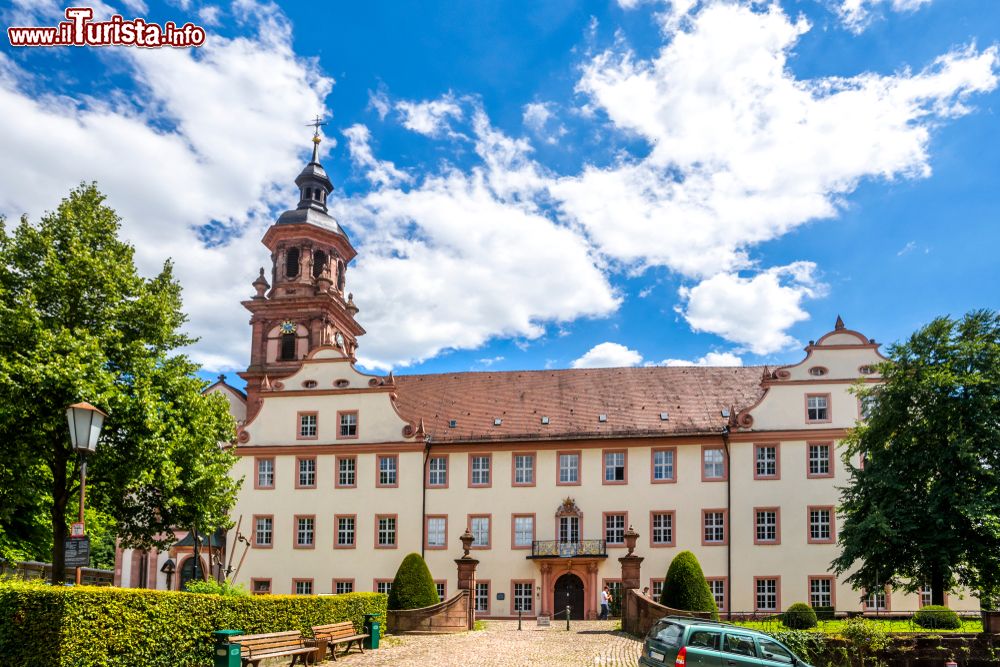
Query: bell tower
{"points": [[304, 306]]}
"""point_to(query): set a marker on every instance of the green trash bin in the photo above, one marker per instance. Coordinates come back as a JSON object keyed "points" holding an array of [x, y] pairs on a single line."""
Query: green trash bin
{"points": [[226, 653], [372, 630]]}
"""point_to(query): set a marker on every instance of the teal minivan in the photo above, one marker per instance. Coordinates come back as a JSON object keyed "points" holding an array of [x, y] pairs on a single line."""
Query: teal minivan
{"points": [[691, 642]]}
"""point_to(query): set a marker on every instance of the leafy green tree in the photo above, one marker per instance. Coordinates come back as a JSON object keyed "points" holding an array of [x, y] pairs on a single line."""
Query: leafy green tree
{"points": [[925, 507], [78, 322], [413, 586], [686, 587]]}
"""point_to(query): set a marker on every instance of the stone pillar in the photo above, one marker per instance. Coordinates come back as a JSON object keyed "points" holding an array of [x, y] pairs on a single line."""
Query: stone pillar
{"points": [[631, 577], [546, 589], [467, 575]]}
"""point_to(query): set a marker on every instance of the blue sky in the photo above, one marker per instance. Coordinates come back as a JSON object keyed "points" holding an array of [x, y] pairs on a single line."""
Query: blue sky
{"points": [[545, 184]]}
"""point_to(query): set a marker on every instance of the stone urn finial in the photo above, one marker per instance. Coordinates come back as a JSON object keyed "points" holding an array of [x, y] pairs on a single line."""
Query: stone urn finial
{"points": [[467, 539], [630, 539]]}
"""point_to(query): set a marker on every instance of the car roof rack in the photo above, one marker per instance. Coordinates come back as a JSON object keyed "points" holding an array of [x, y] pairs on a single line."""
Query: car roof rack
{"points": [[704, 621]]}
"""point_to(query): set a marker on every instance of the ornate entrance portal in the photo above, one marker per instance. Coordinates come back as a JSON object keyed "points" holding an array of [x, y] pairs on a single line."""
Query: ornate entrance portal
{"points": [[569, 592]]}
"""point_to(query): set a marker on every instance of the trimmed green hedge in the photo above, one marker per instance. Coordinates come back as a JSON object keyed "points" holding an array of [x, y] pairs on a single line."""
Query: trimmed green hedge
{"points": [[413, 586], [799, 616], [937, 617], [686, 587], [88, 626]]}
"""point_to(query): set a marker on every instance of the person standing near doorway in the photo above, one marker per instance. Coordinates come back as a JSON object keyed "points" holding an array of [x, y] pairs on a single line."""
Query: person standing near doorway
{"points": [[605, 604]]}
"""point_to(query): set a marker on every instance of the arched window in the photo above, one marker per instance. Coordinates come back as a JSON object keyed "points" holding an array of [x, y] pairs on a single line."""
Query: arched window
{"points": [[292, 262], [287, 346], [319, 263], [188, 573]]}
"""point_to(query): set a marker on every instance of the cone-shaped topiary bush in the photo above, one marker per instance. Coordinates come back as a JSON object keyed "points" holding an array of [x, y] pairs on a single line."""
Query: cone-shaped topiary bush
{"points": [[799, 616], [686, 588], [937, 617], [413, 586]]}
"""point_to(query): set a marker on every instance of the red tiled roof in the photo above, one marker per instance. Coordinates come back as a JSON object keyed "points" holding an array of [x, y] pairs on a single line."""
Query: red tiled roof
{"points": [[632, 399]]}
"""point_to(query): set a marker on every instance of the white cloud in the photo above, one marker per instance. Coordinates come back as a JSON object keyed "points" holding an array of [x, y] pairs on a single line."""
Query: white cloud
{"points": [[209, 15], [710, 359], [540, 119], [465, 256], [754, 312], [379, 101], [856, 14], [165, 183], [430, 117], [379, 172], [608, 355]]}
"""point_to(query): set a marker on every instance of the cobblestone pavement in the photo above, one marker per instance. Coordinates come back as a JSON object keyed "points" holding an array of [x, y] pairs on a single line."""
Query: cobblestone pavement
{"points": [[591, 643]]}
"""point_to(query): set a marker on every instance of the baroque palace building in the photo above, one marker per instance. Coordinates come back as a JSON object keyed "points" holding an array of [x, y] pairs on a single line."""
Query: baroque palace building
{"points": [[345, 473]]}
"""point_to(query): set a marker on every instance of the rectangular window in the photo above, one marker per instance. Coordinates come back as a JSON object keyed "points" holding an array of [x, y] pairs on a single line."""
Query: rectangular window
{"points": [[437, 471], [820, 592], [346, 531], [442, 587], [820, 460], [523, 596], [347, 424], [343, 586], [569, 468], [614, 468], [767, 594], [437, 532], [875, 601], [715, 526], [383, 586], [265, 473], [524, 530], [718, 587], [662, 529], [614, 528], [713, 464], [305, 532], [817, 407], [663, 465], [479, 471], [479, 526], [766, 463], [866, 406], [483, 597], [303, 586], [387, 466], [766, 525], [655, 588], [307, 425], [307, 473], [524, 470], [569, 529], [821, 524], [385, 531], [347, 471], [260, 586], [263, 534]]}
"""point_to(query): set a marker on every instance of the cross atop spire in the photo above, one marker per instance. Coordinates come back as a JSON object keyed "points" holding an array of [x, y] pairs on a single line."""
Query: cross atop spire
{"points": [[317, 123]]}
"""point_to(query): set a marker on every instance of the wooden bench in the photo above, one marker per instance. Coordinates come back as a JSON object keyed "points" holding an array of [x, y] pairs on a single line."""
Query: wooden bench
{"points": [[339, 633], [254, 648]]}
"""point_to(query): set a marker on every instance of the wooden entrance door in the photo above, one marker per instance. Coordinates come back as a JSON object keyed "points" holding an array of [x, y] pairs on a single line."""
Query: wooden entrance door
{"points": [[569, 591]]}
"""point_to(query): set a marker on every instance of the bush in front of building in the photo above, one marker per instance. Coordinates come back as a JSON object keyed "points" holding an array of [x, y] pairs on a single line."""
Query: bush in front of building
{"points": [[413, 587], [686, 588], [937, 617], [89, 626], [213, 587], [799, 616]]}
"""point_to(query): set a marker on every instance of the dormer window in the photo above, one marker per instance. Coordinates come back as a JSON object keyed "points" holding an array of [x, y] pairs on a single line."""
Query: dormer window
{"points": [[292, 262]]}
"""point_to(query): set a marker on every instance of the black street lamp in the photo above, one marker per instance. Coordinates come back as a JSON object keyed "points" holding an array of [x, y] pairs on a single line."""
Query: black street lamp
{"points": [[85, 422]]}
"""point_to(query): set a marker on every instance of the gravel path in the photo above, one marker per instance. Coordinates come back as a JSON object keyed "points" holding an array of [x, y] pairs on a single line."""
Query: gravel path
{"points": [[594, 643]]}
